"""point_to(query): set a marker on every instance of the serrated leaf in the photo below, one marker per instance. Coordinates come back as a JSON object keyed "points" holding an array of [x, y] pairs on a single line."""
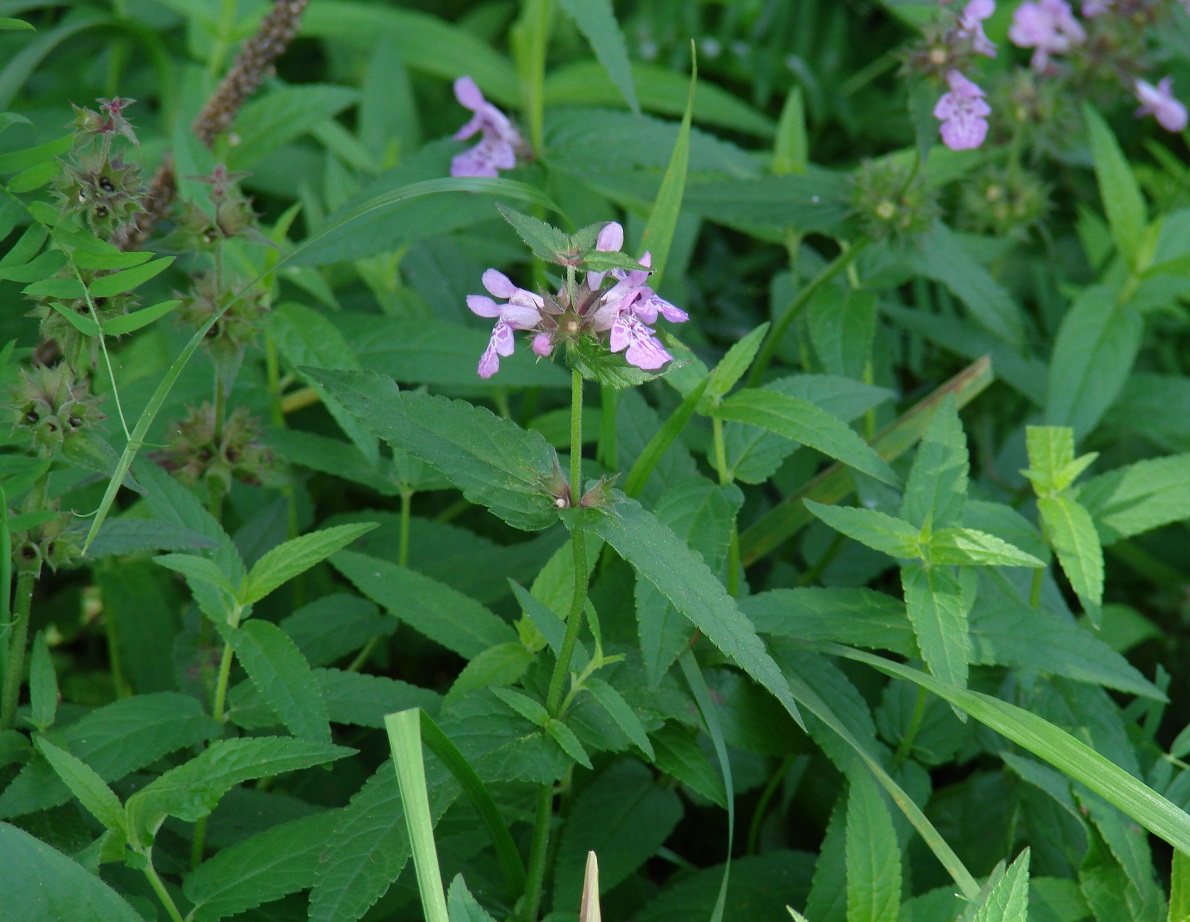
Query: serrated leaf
{"points": [[621, 713], [597, 21], [295, 556], [40, 884], [1118, 188], [877, 530], [118, 282], [1051, 453], [129, 535], [625, 816], [938, 612], [191, 791], [264, 867], [1093, 355], [492, 460], [679, 755], [277, 668], [1074, 539], [530, 709], [1179, 888], [936, 491], [199, 570], [842, 323], [85, 784], [114, 740], [970, 547], [1008, 900], [547, 242], [803, 422], [569, 743], [873, 855], [443, 614], [684, 578], [461, 906], [1139, 497]]}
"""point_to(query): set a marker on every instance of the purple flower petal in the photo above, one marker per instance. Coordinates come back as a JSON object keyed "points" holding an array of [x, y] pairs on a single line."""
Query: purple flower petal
{"points": [[468, 94], [483, 306], [499, 284]]}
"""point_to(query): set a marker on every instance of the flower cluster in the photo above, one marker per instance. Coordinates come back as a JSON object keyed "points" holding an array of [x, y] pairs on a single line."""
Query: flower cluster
{"points": [[499, 142], [96, 181], [617, 304]]}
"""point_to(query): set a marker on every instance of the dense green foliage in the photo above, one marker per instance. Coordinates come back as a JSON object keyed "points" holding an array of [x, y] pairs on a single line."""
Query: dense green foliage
{"points": [[860, 595]]}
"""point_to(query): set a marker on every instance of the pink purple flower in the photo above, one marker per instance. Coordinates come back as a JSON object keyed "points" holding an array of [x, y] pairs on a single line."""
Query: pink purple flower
{"points": [[623, 313], [1159, 102], [1048, 27], [971, 25], [963, 113], [499, 140], [521, 312], [1093, 8]]}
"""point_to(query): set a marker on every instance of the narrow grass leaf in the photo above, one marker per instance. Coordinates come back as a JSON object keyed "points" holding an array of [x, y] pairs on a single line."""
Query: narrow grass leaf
{"points": [[295, 556], [807, 424], [663, 219], [873, 855], [1069, 755], [404, 739], [597, 21], [277, 668]]}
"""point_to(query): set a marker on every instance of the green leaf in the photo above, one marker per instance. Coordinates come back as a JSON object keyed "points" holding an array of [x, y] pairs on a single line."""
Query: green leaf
{"points": [[1122, 198], [857, 617], [17, 160], [1093, 355], [191, 791], [7, 22], [597, 21], [67, 288], [1074, 539], [568, 742], [1069, 755], [445, 615], [679, 755], [969, 547], [462, 906], [684, 578], [285, 113], [129, 323], [295, 556], [85, 784], [263, 867], [404, 738], [1008, 900], [938, 611], [842, 325], [199, 570], [873, 855], [803, 422], [492, 460], [119, 282], [791, 150], [129, 535], [936, 491], [1052, 465], [663, 220], [277, 668], [621, 713], [1179, 888], [734, 365], [650, 456], [41, 884], [1139, 497], [942, 256], [81, 322], [43, 684], [342, 236], [877, 530], [624, 816], [547, 242], [114, 740]]}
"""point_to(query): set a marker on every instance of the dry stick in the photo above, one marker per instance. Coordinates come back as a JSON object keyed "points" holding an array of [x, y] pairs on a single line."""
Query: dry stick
{"points": [[253, 64]]}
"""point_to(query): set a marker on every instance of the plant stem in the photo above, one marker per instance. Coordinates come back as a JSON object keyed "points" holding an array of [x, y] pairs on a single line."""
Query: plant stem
{"points": [[15, 668], [159, 888], [905, 747], [535, 875], [537, 32]]}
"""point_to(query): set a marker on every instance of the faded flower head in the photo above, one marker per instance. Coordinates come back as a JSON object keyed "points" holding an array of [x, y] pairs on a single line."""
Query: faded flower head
{"points": [[615, 306], [239, 322], [1048, 27], [198, 451], [891, 201], [54, 542], [499, 142], [1159, 102], [78, 349], [963, 113], [52, 404]]}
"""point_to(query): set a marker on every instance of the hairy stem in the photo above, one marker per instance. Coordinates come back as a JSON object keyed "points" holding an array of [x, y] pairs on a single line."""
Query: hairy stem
{"points": [[23, 602]]}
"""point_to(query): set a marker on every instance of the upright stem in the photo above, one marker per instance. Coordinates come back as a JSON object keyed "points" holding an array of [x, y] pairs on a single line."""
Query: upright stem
{"points": [[574, 623], [162, 894], [537, 28], [15, 669]]}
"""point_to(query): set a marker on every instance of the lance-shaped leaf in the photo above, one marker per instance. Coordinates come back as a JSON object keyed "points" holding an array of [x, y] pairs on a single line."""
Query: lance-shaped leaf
{"points": [[803, 422], [597, 21], [873, 855], [971, 547], [1072, 534], [1139, 497], [298, 555], [84, 782], [878, 530], [1118, 187], [684, 578], [1008, 895], [937, 609], [936, 491], [492, 460]]}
